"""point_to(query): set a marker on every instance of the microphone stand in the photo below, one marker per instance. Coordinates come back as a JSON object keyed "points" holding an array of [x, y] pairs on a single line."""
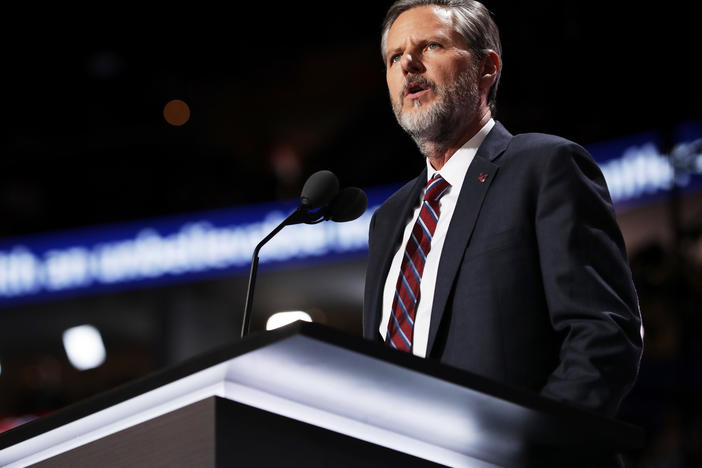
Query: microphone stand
{"points": [[320, 193], [298, 216]]}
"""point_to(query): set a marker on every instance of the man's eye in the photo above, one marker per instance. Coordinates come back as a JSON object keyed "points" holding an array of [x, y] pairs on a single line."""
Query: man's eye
{"points": [[433, 46], [395, 58]]}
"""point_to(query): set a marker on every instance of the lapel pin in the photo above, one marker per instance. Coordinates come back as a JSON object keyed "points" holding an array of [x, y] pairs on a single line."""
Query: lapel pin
{"points": [[482, 177]]}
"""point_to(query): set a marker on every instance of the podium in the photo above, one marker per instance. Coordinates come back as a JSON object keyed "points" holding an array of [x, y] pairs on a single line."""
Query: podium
{"points": [[308, 395]]}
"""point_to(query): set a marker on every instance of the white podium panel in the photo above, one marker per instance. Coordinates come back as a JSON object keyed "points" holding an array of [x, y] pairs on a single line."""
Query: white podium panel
{"points": [[326, 378]]}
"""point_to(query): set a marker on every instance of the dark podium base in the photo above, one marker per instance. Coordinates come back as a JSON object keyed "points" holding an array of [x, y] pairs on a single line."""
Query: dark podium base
{"points": [[217, 432]]}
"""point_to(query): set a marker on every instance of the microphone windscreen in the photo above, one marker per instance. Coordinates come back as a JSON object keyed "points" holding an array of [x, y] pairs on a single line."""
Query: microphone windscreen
{"points": [[348, 205], [319, 189]]}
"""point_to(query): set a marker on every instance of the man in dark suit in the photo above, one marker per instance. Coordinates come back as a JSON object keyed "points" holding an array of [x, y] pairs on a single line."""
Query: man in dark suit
{"points": [[517, 269]]}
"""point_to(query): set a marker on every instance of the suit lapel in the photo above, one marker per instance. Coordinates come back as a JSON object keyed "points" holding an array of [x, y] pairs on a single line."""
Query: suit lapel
{"points": [[481, 172], [388, 239]]}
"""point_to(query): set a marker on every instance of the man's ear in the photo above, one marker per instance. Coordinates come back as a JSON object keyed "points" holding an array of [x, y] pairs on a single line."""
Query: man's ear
{"points": [[489, 69]]}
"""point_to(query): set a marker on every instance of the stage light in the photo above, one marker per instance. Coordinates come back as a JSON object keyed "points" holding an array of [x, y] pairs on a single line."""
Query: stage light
{"points": [[281, 319], [84, 347]]}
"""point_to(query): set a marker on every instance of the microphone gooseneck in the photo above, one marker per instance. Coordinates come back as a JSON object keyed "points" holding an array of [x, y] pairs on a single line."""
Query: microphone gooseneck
{"points": [[321, 193]]}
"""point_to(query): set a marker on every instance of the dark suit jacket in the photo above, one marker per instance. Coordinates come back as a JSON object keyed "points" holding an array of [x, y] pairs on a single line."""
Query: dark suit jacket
{"points": [[533, 287]]}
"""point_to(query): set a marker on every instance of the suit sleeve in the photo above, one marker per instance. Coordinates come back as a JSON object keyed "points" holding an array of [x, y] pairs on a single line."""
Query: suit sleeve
{"points": [[368, 299], [590, 294]]}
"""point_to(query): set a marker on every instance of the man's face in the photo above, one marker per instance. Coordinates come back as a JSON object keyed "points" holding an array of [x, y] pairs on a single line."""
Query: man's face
{"points": [[431, 74]]}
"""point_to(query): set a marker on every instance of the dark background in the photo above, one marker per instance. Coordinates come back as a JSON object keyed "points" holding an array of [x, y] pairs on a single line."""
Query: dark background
{"points": [[276, 92], [86, 141]]}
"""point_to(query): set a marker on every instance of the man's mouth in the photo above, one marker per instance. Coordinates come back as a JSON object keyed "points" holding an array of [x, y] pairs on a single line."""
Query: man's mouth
{"points": [[416, 90]]}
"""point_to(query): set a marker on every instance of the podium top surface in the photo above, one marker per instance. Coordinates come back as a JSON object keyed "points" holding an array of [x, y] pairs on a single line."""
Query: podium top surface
{"points": [[343, 383]]}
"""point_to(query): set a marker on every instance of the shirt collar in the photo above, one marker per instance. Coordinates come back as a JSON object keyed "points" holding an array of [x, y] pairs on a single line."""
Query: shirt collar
{"points": [[454, 171]]}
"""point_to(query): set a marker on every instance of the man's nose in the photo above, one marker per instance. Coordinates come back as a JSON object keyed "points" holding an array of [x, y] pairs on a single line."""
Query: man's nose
{"points": [[411, 63]]}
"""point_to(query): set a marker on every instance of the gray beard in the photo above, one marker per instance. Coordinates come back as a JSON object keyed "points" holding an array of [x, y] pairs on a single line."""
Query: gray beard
{"points": [[435, 128]]}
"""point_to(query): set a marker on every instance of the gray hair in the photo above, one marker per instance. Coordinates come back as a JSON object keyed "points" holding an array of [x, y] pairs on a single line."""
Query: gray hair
{"points": [[471, 20]]}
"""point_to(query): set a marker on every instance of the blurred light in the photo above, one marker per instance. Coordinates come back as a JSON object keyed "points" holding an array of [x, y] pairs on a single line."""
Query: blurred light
{"points": [[639, 171], [286, 163], [176, 112], [281, 319], [164, 249], [84, 347]]}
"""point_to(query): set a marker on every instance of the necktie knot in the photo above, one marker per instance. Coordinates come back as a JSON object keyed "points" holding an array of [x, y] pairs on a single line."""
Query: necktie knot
{"points": [[436, 188]]}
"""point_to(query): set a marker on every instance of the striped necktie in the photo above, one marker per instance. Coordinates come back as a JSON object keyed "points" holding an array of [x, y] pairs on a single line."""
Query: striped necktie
{"points": [[404, 305]]}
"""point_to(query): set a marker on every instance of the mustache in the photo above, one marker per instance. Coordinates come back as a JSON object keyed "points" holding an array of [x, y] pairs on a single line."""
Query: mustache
{"points": [[414, 80]]}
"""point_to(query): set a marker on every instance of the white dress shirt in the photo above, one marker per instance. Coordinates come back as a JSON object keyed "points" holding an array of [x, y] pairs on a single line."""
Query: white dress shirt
{"points": [[454, 171]]}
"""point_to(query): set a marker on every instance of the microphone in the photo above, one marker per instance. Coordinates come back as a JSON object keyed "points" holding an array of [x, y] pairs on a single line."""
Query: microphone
{"points": [[319, 189], [348, 205], [321, 193]]}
